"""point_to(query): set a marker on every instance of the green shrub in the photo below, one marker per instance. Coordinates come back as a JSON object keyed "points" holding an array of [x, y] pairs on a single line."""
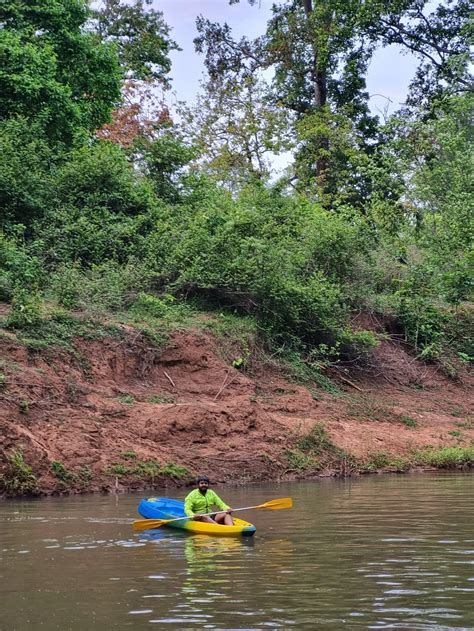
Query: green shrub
{"points": [[316, 440], [25, 311], [447, 457], [18, 270], [300, 461], [174, 470], [85, 474], [160, 398], [315, 450], [118, 469], [408, 421], [129, 455], [148, 469], [26, 187], [165, 308], [59, 471], [376, 460], [401, 464], [19, 478], [61, 329]]}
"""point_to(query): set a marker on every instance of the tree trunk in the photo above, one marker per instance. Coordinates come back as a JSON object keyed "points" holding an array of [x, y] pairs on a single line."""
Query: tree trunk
{"points": [[319, 78]]}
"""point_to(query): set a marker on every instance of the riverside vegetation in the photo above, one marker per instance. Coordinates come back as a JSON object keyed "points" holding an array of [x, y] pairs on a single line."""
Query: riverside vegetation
{"points": [[118, 213]]}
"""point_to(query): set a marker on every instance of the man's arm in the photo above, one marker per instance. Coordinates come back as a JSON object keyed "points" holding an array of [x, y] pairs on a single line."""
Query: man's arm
{"points": [[188, 505], [218, 502]]}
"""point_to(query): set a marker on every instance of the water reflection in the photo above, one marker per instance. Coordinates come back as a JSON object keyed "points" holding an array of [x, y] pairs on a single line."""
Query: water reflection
{"points": [[205, 554]]}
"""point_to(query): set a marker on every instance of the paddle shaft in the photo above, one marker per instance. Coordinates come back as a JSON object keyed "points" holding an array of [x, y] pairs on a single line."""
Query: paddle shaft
{"points": [[208, 514]]}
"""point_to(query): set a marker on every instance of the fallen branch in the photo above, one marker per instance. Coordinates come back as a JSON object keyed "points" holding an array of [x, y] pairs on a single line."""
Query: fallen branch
{"points": [[351, 383], [169, 378], [225, 384]]}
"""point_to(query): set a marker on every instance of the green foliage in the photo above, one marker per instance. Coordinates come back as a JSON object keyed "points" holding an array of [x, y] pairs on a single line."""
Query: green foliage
{"points": [[375, 461], [300, 461], [126, 399], [18, 479], [305, 370], [54, 72], [99, 178], [26, 186], [118, 469], [442, 186], [408, 421], [85, 475], [141, 36], [440, 40], [160, 399], [147, 234], [164, 308], [316, 440], [315, 450], [148, 469], [25, 311], [100, 289], [59, 471], [163, 158], [102, 211], [19, 272], [429, 324], [401, 465], [447, 457], [279, 258], [173, 470], [236, 129], [61, 329], [130, 455]]}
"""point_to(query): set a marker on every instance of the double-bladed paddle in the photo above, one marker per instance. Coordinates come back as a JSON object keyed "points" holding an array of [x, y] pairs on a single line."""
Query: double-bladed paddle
{"points": [[147, 524]]}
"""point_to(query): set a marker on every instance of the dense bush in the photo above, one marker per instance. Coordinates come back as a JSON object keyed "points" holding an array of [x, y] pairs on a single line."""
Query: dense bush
{"points": [[25, 173]]}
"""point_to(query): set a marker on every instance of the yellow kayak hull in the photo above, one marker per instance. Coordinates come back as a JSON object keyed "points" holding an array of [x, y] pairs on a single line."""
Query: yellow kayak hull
{"points": [[166, 508]]}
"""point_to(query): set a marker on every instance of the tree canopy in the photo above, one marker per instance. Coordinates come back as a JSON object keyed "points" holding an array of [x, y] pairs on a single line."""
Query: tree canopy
{"points": [[113, 199]]}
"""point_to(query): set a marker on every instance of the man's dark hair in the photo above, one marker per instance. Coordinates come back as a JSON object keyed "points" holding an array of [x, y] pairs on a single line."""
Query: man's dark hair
{"points": [[202, 478]]}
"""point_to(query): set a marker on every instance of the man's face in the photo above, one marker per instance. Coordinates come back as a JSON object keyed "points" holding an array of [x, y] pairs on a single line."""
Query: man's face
{"points": [[203, 486]]}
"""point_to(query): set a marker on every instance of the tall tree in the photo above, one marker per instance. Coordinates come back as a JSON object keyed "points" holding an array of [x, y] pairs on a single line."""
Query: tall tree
{"points": [[143, 41], [441, 39], [236, 129], [319, 59], [141, 36], [319, 51], [53, 71]]}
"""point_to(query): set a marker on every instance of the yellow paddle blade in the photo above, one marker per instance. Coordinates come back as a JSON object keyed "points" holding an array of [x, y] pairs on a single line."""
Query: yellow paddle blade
{"points": [[146, 524], [284, 502]]}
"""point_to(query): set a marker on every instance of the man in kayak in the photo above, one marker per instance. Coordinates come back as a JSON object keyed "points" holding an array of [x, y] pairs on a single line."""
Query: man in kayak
{"points": [[202, 500]]}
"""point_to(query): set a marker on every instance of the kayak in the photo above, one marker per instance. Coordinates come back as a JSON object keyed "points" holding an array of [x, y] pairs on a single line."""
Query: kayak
{"points": [[166, 508]]}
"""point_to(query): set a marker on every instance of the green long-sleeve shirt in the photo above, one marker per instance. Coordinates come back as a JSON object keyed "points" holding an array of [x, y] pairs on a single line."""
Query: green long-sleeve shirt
{"points": [[196, 503]]}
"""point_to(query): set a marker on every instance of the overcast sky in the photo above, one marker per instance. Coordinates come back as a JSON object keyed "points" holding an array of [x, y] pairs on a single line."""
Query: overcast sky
{"points": [[389, 74]]}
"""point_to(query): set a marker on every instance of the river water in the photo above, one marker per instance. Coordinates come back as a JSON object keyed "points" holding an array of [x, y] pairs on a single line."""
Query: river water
{"points": [[381, 552]]}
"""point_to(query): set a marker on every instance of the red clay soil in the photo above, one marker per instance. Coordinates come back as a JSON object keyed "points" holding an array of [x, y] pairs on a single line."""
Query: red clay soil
{"points": [[113, 405]]}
